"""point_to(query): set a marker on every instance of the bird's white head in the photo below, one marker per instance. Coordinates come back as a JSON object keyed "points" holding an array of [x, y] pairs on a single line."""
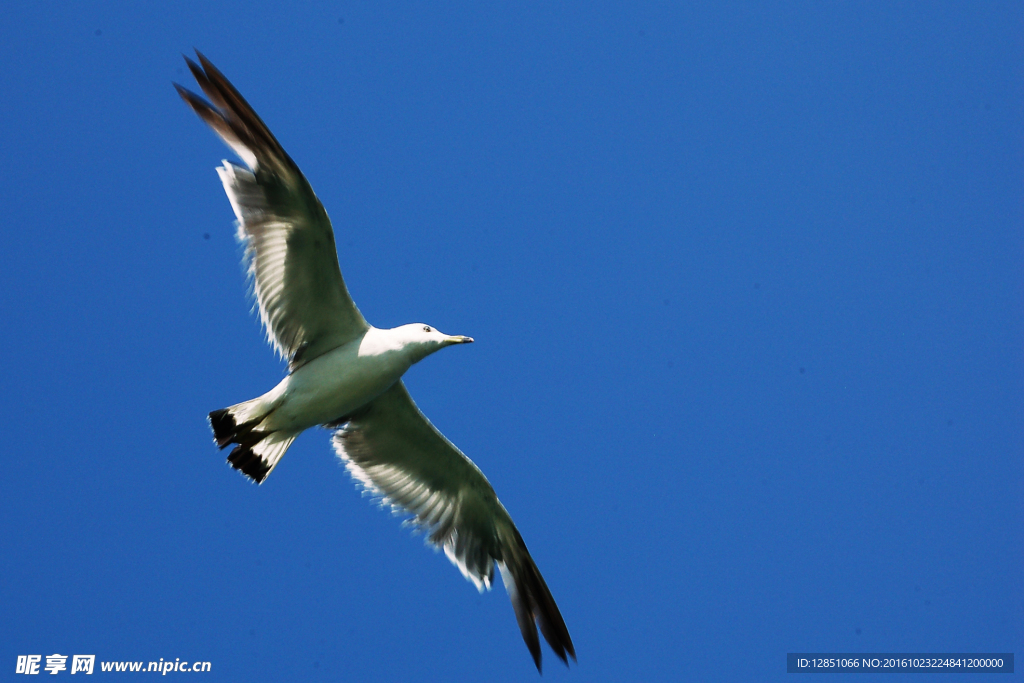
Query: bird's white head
{"points": [[420, 340]]}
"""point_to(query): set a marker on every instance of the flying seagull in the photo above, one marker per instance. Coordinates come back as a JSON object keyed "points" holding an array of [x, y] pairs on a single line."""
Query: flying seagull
{"points": [[346, 375]]}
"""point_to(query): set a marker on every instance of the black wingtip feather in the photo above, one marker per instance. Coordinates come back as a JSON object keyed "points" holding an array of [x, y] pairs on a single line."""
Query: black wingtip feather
{"points": [[190, 97], [533, 604], [527, 627], [232, 117], [195, 69]]}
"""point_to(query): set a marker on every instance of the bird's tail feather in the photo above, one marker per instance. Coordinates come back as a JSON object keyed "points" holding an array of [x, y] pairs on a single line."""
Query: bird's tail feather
{"points": [[532, 601], [257, 451]]}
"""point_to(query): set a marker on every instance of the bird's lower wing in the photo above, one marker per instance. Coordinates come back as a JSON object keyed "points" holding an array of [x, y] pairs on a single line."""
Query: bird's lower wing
{"points": [[391, 448]]}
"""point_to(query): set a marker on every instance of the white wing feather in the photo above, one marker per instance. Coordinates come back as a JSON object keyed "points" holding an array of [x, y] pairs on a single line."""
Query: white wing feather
{"points": [[394, 452], [288, 238]]}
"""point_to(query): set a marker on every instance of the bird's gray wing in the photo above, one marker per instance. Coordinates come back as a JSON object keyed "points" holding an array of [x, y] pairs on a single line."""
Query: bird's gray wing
{"points": [[289, 243], [391, 448]]}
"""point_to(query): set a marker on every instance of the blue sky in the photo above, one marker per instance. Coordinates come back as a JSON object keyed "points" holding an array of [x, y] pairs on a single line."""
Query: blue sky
{"points": [[746, 282]]}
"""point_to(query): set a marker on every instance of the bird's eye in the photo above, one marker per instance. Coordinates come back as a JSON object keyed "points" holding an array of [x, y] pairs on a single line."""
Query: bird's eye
{"points": [[426, 328]]}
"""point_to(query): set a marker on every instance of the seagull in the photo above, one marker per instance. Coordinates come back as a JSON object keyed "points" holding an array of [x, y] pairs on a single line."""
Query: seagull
{"points": [[346, 375]]}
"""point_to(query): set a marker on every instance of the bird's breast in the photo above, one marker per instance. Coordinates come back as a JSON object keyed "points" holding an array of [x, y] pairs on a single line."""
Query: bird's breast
{"points": [[334, 385]]}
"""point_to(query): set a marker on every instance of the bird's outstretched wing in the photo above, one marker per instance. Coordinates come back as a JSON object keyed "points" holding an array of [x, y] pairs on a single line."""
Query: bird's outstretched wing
{"points": [[395, 453], [289, 243]]}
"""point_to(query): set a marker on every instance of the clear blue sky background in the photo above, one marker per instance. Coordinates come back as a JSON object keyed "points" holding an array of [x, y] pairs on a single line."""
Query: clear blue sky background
{"points": [[746, 281]]}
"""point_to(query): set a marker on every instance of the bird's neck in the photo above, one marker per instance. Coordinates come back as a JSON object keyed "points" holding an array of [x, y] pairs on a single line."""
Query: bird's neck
{"points": [[393, 346]]}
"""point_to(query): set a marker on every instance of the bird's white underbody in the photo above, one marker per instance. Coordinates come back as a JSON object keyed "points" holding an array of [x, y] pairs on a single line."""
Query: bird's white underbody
{"points": [[348, 377]]}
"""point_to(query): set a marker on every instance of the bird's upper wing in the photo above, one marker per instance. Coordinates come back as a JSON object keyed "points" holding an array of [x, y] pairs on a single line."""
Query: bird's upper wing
{"points": [[395, 453], [289, 243]]}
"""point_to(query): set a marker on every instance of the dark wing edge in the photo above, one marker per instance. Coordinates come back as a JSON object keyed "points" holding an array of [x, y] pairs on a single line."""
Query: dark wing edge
{"points": [[236, 122], [531, 600], [393, 451]]}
